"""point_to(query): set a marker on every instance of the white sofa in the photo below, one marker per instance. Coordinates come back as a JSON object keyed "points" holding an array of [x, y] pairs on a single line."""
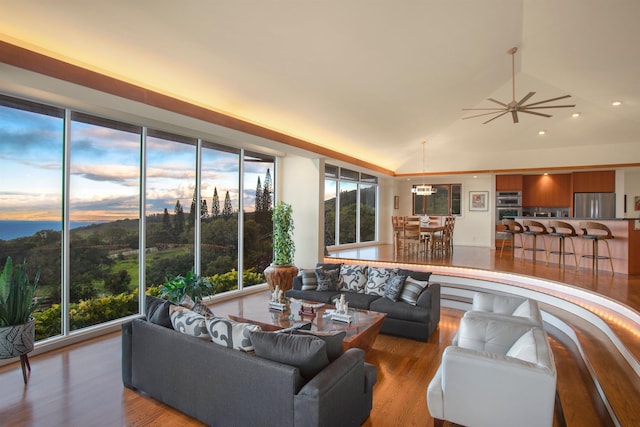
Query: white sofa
{"points": [[500, 373]]}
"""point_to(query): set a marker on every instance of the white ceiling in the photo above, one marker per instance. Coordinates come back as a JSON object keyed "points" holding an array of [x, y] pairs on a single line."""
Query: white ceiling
{"points": [[373, 78]]}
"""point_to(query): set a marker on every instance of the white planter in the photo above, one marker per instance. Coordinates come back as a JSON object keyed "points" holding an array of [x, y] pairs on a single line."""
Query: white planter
{"points": [[17, 340]]}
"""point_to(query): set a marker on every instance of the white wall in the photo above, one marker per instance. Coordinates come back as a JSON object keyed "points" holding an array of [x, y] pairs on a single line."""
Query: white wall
{"points": [[301, 184]]}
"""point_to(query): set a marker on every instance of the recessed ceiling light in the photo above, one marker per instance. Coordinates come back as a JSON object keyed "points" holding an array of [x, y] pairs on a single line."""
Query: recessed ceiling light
{"points": [[616, 103], [574, 115], [542, 132]]}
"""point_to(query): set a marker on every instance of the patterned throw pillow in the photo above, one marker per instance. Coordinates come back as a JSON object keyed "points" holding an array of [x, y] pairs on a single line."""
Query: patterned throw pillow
{"points": [[394, 287], [309, 280], [231, 334], [187, 302], [412, 289], [188, 322], [377, 278], [202, 308], [353, 278], [327, 280]]}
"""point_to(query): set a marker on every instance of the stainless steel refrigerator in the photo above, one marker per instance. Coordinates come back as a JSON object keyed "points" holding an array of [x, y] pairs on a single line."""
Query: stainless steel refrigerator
{"points": [[594, 205]]}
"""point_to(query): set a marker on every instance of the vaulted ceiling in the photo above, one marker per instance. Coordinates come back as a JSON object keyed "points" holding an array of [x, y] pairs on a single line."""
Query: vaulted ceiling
{"points": [[374, 78]]}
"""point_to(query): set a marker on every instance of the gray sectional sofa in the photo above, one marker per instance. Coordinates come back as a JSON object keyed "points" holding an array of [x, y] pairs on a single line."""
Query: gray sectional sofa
{"points": [[223, 386], [416, 316]]}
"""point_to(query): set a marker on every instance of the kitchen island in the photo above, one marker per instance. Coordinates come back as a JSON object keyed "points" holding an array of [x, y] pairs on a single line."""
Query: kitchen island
{"points": [[625, 245]]}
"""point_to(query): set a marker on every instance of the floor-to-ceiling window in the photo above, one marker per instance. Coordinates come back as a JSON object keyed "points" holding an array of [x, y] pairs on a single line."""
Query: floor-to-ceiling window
{"points": [[220, 187], [59, 166], [350, 206], [31, 152], [170, 205], [104, 188], [258, 208]]}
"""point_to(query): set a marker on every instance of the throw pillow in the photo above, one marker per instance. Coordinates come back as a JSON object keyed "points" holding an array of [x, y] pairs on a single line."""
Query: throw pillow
{"points": [[353, 278], [187, 302], [157, 311], [202, 308], [525, 348], [309, 280], [329, 265], [306, 353], [412, 289], [327, 279], [333, 340], [188, 322], [231, 334], [377, 278], [394, 287]]}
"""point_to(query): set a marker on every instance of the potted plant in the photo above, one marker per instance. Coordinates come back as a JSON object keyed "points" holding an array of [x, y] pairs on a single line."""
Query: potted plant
{"points": [[282, 271], [193, 285], [17, 304]]}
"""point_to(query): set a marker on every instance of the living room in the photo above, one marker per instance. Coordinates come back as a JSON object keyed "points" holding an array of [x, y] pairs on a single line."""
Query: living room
{"points": [[34, 69]]}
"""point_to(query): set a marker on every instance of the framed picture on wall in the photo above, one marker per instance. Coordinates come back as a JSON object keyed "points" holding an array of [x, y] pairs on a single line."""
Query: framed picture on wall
{"points": [[478, 200]]}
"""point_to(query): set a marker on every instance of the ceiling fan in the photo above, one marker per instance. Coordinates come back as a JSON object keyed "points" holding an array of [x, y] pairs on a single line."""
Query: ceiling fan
{"points": [[517, 107]]}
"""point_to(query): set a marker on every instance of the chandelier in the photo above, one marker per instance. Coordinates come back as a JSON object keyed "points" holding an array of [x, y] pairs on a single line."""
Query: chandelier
{"points": [[423, 189]]}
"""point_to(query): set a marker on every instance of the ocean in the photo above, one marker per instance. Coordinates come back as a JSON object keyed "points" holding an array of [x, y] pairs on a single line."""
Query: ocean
{"points": [[13, 229]]}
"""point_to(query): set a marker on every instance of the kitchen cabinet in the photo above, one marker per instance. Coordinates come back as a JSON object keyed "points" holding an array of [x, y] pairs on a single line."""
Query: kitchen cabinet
{"points": [[508, 182], [594, 182], [553, 190]]}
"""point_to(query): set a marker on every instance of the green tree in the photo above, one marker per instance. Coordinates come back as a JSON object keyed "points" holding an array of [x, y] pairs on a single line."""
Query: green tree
{"points": [[204, 210], [178, 219], [227, 211], [215, 205], [166, 220], [259, 194], [266, 193]]}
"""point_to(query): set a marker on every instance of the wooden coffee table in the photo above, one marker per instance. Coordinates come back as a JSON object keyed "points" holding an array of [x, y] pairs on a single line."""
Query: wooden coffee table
{"points": [[254, 308]]}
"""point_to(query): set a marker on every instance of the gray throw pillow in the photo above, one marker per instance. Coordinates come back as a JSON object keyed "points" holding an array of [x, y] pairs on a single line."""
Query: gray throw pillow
{"points": [[412, 289], [394, 287], [309, 280], [327, 280], [333, 339], [157, 311], [308, 354]]}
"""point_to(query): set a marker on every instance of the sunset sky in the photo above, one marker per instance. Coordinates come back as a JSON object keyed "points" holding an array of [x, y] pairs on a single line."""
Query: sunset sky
{"points": [[105, 166]]}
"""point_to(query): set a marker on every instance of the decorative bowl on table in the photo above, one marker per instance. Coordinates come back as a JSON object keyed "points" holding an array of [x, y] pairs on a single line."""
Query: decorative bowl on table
{"points": [[308, 308]]}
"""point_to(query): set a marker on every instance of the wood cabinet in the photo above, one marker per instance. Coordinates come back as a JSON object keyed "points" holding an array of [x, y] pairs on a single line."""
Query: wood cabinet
{"points": [[508, 182], [553, 190], [594, 182]]}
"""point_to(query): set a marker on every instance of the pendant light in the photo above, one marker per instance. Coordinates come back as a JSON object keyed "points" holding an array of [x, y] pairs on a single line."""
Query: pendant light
{"points": [[423, 189]]}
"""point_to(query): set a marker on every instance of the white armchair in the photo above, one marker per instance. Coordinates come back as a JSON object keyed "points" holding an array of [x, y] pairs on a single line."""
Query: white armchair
{"points": [[500, 374], [508, 307]]}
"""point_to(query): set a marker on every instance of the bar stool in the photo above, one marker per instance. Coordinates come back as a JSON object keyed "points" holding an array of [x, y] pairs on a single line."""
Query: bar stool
{"points": [[596, 232], [563, 231], [512, 228], [535, 229]]}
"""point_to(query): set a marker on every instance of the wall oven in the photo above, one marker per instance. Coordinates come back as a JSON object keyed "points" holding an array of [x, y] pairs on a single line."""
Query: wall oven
{"points": [[508, 198], [507, 212]]}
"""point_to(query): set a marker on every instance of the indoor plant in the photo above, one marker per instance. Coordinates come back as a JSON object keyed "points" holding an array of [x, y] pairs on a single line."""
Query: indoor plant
{"points": [[193, 285], [282, 271], [17, 304]]}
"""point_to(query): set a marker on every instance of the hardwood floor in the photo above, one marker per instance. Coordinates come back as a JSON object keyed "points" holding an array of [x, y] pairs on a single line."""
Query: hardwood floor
{"points": [[80, 385]]}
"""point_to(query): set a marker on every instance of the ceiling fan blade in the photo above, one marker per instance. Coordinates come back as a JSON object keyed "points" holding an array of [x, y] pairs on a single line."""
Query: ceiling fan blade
{"points": [[493, 118], [548, 100], [483, 114], [514, 116], [482, 109], [535, 113], [523, 100], [526, 107], [498, 102]]}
